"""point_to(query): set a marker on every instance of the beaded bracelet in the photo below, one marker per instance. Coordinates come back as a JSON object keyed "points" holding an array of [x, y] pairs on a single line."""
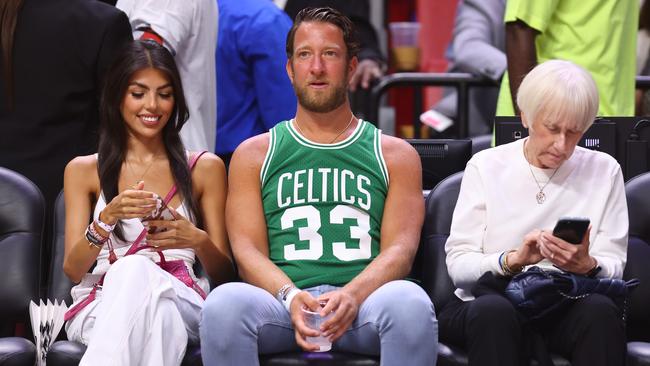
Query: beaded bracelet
{"points": [[104, 226], [94, 237], [93, 230], [92, 241]]}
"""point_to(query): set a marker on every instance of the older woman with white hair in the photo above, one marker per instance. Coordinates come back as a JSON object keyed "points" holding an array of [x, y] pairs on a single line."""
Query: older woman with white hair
{"points": [[510, 199]]}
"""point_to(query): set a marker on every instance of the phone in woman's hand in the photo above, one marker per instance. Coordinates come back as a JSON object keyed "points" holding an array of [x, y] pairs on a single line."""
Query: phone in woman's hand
{"points": [[161, 212], [571, 229]]}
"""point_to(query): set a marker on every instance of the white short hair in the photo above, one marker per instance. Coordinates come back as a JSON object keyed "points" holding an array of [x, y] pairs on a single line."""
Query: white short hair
{"points": [[559, 90]]}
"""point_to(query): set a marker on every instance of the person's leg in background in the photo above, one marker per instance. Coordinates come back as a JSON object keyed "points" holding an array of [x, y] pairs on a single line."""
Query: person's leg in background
{"points": [[488, 327], [591, 333]]}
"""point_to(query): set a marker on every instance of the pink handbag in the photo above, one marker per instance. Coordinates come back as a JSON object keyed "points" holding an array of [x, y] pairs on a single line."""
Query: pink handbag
{"points": [[176, 267]]}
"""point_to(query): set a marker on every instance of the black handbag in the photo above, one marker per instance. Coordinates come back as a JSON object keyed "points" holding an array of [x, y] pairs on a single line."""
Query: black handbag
{"points": [[539, 293]]}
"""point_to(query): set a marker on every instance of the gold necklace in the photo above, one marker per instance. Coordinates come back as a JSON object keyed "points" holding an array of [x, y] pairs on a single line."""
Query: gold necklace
{"points": [[145, 171], [540, 196], [335, 137]]}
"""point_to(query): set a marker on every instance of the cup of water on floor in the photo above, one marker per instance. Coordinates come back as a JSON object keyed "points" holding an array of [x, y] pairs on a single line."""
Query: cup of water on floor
{"points": [[313, 320]]}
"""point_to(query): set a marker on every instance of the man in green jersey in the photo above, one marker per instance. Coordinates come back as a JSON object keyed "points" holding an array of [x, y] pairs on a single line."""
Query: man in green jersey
{"points": [[323, 209]]}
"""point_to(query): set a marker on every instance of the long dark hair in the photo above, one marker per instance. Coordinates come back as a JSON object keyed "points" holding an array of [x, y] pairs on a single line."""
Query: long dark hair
{"points": [[8, 18], [113, 133]]}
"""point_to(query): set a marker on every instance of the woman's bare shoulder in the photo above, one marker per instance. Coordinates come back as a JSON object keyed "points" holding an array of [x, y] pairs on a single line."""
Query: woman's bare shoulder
{"points": [[82, 169], [83, 164], [209, 169], [208, 162]]}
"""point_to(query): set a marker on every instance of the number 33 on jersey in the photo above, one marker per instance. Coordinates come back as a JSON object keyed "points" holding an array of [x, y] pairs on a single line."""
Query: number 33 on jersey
{"points": [[323, 203]]}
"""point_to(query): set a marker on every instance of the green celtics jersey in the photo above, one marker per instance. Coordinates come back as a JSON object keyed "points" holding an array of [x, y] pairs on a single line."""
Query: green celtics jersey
{"points": [[323, 203]]}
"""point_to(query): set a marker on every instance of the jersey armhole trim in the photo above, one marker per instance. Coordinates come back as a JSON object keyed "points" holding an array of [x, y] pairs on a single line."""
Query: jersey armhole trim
{"points": [[379, 155], [269, 156]]}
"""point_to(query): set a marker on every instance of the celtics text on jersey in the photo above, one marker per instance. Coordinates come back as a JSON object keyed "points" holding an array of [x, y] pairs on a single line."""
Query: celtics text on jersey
{"points": [[323, 203]]}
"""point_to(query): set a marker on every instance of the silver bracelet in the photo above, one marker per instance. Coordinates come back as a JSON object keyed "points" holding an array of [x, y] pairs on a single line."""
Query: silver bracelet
{"points": [[283, 291]]}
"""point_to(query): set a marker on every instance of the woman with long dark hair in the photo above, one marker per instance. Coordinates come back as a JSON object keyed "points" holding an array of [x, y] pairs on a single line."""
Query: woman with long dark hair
{"points": [[129, 310]]}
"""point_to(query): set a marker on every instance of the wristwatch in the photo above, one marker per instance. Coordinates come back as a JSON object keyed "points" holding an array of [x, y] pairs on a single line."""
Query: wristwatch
{"points": [[594, 271]]}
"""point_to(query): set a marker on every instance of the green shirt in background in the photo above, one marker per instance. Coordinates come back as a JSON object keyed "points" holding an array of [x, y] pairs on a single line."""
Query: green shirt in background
{"points": [[599, 35]]}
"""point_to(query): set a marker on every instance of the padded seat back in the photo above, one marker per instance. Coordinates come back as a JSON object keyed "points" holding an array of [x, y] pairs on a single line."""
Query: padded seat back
{"points": [[481, 142], [22, 214], [638, 302], [637, 191], [439, 209], [59, 284]]}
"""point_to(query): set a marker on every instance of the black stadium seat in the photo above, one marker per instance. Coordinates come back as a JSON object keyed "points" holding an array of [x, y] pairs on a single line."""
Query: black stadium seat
{"points": [[481, 142], [637, 191], [22, 212]]}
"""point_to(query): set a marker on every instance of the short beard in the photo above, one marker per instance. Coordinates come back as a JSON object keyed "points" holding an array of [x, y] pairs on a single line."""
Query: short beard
{"points": [[318, 105], [321, 105]]}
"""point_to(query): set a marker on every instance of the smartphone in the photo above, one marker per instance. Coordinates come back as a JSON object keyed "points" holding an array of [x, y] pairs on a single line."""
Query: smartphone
{"points": [[571, 229], [162, 212]]}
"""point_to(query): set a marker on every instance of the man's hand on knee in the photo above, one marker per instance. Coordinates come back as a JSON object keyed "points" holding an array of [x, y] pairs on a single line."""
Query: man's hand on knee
{"points": [[345, 308], [301, 330]]}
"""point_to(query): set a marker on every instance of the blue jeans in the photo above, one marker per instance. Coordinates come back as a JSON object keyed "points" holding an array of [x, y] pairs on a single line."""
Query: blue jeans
{"points": [[396, 322]]}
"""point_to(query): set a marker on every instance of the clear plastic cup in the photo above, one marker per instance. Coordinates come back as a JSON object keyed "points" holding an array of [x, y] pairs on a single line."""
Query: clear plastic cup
{"points": [[313, 320], [404, 39]]}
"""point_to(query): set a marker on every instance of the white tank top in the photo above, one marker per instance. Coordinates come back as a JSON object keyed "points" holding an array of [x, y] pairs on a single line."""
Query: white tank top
{"points": [[131, 228]]}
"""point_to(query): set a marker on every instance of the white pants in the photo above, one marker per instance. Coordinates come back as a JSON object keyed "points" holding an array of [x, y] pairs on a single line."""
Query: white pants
{"points": [[142, 316]]}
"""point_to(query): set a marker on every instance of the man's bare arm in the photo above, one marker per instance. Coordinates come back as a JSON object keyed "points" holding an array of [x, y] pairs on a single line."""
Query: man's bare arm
{"points": [[248, 232], [521, 55], [245, 217]]}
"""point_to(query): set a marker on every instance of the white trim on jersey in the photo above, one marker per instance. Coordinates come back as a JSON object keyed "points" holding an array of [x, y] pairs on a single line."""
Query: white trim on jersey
{"points": [[379, 155], [269, 156], [356, 134]]}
